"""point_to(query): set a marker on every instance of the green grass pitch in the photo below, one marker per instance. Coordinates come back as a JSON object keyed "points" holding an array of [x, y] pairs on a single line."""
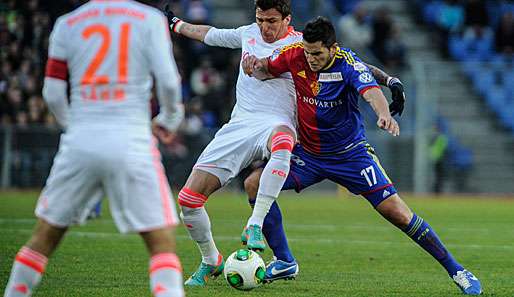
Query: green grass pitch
{"points": [[344, 249]]}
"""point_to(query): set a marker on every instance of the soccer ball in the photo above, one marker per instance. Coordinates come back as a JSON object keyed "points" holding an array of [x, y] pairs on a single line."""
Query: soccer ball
{"points": [[244, 270]]}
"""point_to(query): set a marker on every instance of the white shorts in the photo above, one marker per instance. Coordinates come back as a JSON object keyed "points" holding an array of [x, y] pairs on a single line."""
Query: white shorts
{"points": [[134, 181], [236, 145]]}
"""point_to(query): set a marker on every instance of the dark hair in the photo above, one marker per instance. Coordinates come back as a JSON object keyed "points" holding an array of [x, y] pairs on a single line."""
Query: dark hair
{"points": [[282, 6], [320, 29]]}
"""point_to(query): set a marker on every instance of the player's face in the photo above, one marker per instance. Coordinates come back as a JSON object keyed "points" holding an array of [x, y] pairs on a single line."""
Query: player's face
{"points": [[318, 55], [271, 23]]}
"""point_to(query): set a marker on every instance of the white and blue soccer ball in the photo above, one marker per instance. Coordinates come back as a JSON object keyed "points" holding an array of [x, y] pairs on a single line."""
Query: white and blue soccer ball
{"points": [[244, 270]]}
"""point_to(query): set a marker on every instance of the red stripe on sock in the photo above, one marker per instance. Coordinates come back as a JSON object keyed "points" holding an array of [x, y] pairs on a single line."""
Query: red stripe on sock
{"points": [[191, 199], [30, 263], [33, 255], [282, 141], [165, 261]]}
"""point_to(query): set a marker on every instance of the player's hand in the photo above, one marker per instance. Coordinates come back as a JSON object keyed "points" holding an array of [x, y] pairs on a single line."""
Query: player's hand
{"points": [[173, 20], [165, 124], [249, 64], [398, 95], [165, 137], [388, 123]]}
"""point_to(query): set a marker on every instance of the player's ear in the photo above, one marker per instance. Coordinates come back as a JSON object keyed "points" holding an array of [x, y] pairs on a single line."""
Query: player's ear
{"points": [[287, 20], [333, 48]]}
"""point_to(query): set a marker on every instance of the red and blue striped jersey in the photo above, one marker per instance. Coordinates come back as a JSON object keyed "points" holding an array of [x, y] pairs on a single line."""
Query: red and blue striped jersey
{"points": [[329, 120]]}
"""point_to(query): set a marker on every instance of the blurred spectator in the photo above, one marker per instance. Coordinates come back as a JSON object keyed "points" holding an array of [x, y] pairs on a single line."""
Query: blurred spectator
{"points": [[382, 27], [438, 155], [504, 35], [395, 50], [450, 21], [354, 30], [479, 41], [197, 12]]}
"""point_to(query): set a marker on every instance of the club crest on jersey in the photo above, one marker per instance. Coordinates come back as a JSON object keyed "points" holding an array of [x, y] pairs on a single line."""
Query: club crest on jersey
{"points": [[330, 77], [275, 54], [315, 87], [365, 78]]}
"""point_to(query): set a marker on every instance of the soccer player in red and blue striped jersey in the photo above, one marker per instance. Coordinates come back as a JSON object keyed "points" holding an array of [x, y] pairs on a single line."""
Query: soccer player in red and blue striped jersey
{"points": [[332, 144]]}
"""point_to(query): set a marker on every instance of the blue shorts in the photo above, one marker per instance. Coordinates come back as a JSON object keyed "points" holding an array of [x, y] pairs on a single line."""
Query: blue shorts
{"points": [[358, 170]]}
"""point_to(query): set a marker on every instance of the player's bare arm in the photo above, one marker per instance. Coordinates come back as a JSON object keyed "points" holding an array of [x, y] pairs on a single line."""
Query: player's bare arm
{"points": [[378, 102], [380, 75], [256, 67], [394, 84], [192, 31]]}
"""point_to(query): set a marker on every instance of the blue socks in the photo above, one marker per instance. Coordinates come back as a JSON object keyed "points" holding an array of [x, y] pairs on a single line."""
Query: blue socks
{"points": [[274, 233], [421, 232]]}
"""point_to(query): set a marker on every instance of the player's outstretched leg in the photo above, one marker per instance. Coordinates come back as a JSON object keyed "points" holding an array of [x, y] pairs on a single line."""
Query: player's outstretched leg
{"points": [[30, 262], [397, 212], [164, 267], [283, 265], [192, 199], [273, 177]]}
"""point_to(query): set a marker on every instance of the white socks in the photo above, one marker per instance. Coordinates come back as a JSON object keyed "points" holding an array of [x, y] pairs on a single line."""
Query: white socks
{"points": [[199, 228], [271, 182], [166, 276], [26, 273]]}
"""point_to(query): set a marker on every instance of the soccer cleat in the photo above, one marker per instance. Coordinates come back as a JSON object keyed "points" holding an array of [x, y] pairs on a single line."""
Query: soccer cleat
{"points": [[467, 282], [278, 269], [253, 238], [204, 272]]}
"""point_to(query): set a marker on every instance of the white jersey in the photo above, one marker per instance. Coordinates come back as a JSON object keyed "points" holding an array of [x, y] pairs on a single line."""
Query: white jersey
{"points": [[112, 48], [254, 98]]}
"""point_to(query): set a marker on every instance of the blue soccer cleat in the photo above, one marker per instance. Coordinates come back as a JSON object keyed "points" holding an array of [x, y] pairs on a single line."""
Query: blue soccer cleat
{"points": [[278, 269], [467, 282]]}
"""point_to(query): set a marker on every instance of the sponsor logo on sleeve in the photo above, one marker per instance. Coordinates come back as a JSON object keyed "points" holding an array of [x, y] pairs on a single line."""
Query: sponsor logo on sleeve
{"points": [[365, 78], [358, 66]]}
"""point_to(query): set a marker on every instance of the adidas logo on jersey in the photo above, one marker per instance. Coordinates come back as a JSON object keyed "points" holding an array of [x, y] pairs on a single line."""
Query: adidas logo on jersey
{"points": [[302, 74], [386, 193]]}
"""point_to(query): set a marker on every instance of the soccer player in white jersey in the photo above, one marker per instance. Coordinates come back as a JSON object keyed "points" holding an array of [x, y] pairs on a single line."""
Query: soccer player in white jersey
{"points": [[110, 49], [262, 126]]}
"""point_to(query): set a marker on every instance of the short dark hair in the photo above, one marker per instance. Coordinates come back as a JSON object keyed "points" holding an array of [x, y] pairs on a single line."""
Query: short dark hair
{"points": [[282, 6], [320, 29]]}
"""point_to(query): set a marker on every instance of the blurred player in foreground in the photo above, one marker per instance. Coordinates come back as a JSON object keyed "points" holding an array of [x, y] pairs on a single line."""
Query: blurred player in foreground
{"points": [[110, 49], [262, 125], [332, 142]]}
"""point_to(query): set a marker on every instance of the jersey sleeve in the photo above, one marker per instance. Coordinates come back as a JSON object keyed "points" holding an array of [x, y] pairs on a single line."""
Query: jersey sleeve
{"points": [[160, 52], [56, 66], [278, 62], [230, 38], [360, 75]]}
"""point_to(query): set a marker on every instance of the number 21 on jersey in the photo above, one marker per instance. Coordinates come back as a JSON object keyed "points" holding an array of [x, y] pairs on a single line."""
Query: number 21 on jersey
{"points": [[96, 86]]}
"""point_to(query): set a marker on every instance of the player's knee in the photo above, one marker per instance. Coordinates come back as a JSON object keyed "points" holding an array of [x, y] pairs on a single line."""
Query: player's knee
{"points": [[396, 211], [282, 142], [191, 199]]}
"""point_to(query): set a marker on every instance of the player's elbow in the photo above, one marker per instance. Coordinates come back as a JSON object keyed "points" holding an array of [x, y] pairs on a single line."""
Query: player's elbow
{"points": [[54, 90]]}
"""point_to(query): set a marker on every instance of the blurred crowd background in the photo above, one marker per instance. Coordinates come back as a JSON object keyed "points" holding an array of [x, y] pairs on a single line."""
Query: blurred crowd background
{"points": [[468, 32]]}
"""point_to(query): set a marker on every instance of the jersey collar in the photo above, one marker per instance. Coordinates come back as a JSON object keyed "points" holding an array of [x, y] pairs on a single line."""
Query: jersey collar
{"points": [[289, 30]]}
